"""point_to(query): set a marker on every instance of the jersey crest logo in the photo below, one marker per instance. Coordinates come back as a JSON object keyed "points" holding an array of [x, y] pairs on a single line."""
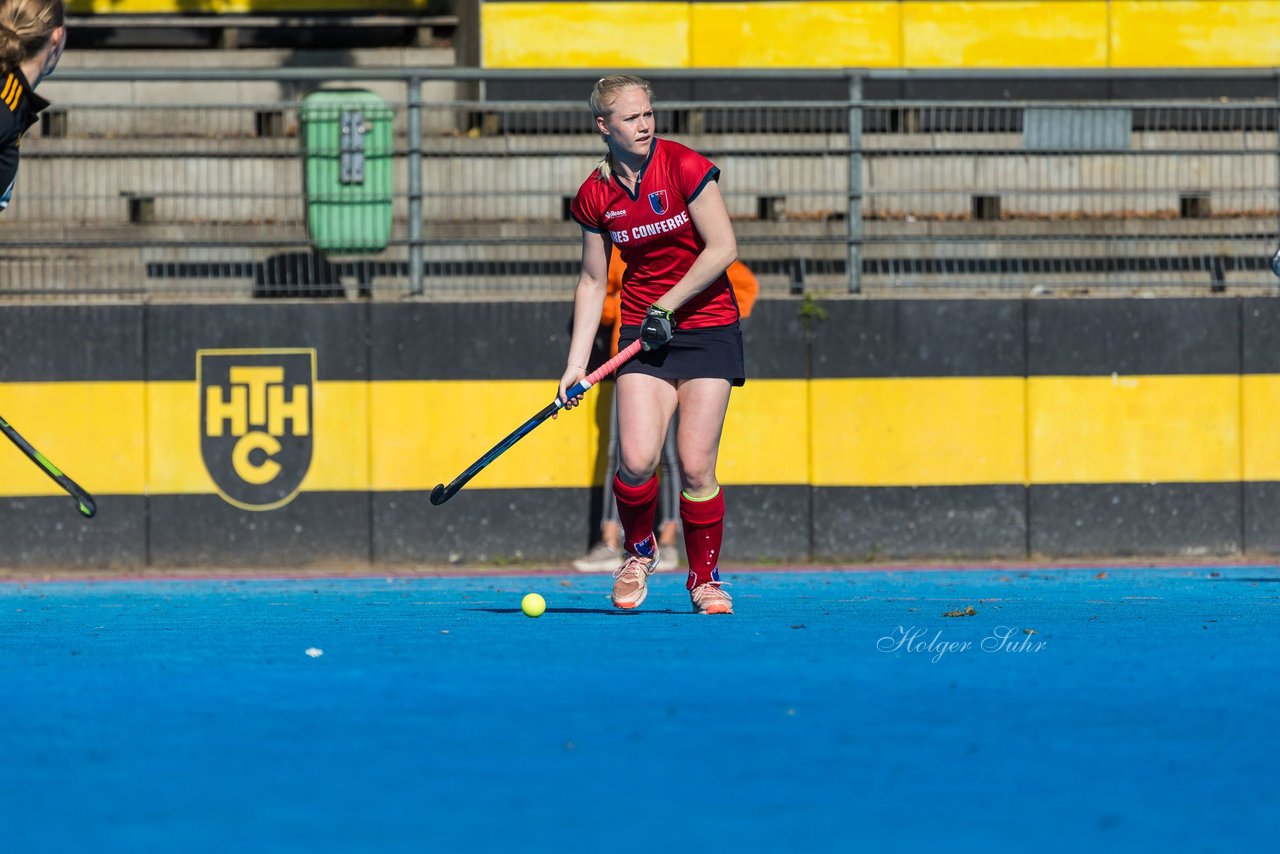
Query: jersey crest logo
{"points": [[658, 201]]}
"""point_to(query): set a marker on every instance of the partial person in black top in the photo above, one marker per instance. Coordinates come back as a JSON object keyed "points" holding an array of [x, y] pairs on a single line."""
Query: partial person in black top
{"points": [[32, 36]]}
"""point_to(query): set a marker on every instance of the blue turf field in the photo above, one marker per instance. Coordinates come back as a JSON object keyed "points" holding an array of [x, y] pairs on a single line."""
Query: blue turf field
{"points": [[187, 716]]}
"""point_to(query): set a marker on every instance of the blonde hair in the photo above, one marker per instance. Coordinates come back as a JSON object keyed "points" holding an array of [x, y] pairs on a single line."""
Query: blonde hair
{"points": [[25, 28], [602, 97]]}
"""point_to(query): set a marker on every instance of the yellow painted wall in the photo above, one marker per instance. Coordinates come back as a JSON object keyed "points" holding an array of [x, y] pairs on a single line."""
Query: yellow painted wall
{"points": [[879, 34], [795, 35], [1194, 34], [1134, 429], [911, 431], [143, 438], [1005, 34], [95, 432], [427, 432], [1260, 413], [584, 35]]}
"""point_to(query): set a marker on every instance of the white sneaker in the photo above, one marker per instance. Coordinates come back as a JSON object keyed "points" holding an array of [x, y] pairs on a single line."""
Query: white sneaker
{"points": [[632, 580], [708, 598], [601, 558]]}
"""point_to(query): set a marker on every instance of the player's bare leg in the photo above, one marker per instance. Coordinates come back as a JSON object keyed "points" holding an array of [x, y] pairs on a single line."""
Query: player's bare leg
{"points": [[703, 404], [645, 406]]}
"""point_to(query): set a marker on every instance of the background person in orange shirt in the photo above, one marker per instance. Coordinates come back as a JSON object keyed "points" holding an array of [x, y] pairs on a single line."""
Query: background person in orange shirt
{"points": [[604, 555]]}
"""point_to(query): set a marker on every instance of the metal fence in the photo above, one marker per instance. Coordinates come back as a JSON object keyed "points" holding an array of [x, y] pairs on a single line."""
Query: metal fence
{"points": [[157, 185]]}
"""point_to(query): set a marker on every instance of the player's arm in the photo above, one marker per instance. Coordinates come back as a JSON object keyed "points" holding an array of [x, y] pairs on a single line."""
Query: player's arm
{"points": [[711, 219], [588, 302]]}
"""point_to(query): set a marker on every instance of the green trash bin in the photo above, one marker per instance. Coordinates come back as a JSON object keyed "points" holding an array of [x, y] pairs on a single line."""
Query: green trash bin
{"points": [[347, 148]]}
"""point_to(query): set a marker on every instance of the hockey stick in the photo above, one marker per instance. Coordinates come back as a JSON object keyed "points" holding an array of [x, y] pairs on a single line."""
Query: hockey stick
{"points": [[84, 501], [443, 493]]}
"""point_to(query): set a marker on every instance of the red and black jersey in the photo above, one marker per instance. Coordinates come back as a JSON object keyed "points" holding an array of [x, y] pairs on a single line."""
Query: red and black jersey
{"points": [[19, 107], [655, 235]]}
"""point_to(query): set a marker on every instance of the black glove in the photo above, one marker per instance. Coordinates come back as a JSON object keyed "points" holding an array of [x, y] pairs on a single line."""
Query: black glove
{"points": [[659, 324]]}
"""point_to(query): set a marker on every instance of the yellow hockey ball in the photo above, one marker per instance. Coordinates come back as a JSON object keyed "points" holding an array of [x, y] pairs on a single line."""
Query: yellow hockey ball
{"points": [[533, 605]]}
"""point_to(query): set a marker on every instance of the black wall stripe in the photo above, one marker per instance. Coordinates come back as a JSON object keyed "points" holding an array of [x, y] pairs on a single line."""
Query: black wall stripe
{"points": [[529, 340], [477, 525], [916, 338], [315, 529], [879, 523], [1261, 518], [47, 532], [1260, 331], [470, 341], [337, 331], [773, 339], [352, 530], [71, 343], [1133, 336], [1089, 520], [761, 523]]}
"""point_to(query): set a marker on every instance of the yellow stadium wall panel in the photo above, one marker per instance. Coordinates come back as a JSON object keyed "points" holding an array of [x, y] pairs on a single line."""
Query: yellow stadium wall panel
{"points": [[923, 34], [1194, 34], [796, 35], [1259, 417], [419, 440], [64, 421], [1004, 34], [1134, 429], [767, 434], [914, 431], [585, 35]]}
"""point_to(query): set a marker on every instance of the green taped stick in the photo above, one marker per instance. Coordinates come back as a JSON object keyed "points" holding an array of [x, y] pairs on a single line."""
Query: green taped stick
{"points": [[84, 501]]}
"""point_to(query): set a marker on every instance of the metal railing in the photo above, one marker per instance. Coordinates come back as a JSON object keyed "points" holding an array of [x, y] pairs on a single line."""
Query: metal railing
{"points": [[175, 184]]}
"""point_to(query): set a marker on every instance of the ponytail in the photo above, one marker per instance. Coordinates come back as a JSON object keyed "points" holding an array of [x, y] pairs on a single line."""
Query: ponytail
{"points": [[11, 51], [25, 29]]}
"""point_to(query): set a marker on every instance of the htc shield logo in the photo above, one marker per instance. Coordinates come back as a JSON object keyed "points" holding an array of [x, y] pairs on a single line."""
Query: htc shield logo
{"points": [[256, 423]]}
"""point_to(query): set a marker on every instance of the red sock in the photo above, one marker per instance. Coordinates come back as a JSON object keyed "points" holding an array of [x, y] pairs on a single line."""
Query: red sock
{"points": [[637, 508], [703, 531]]}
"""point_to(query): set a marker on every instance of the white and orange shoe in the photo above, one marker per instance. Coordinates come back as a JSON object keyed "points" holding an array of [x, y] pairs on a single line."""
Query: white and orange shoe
{"points": [[631, 584], [708, 598]]}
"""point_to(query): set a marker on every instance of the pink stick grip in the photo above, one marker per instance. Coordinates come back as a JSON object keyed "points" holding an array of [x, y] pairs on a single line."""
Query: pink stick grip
{"points": [[613, 364]]}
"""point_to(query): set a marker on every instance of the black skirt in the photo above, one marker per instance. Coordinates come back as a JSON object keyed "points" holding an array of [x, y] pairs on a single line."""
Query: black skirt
{"points": [[713, 351]]}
